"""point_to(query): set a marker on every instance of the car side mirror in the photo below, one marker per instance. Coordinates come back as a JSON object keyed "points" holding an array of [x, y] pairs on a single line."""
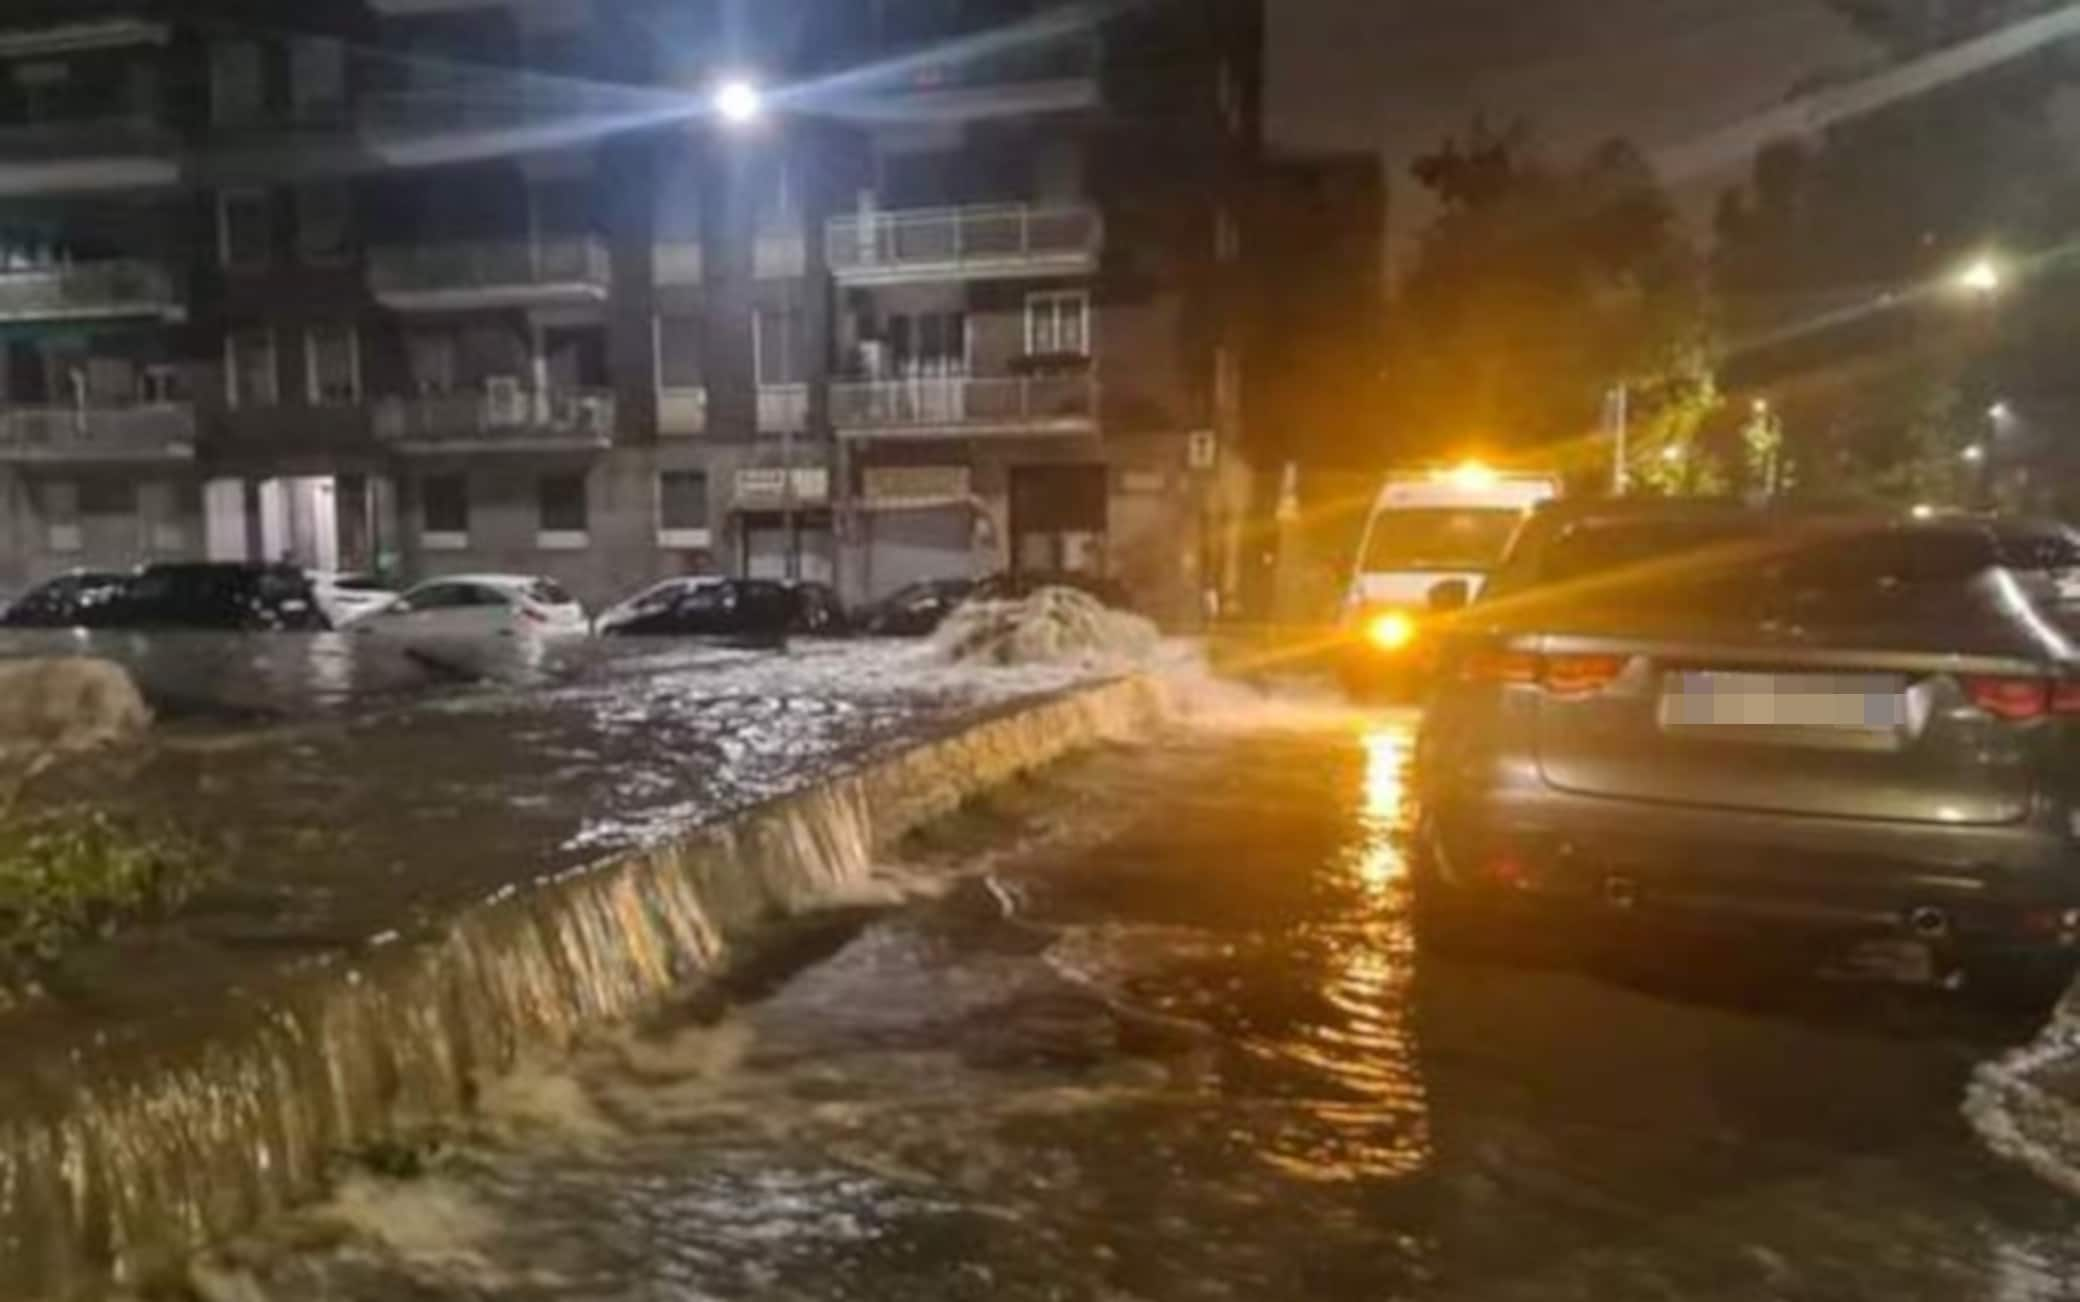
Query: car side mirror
{"points": [[1450, 595]]}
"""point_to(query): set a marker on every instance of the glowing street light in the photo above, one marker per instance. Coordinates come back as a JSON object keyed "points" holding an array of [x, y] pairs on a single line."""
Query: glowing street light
{"points": [[1982, 277], [1974, 454], [1672, 454], [738, 102], [2000, 412]]}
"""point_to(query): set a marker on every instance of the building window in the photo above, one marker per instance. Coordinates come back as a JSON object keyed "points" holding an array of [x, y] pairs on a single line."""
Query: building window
{"points": [[237, 89], [60, 501], [679, 352], [245, 234], [1058, 324], [332, 356], [928, 343], [323, 215], [108, 497], [563, 521], [682, 508], [444, 512], [318, 78], [778, 344], [249, 368]]}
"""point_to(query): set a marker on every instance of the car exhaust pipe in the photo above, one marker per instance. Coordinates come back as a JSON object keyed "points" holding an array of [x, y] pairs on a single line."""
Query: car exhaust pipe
{"points": [[1621, 892], [1928, 922]]}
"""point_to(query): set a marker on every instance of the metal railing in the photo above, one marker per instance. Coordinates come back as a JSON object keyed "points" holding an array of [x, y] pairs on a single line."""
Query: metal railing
{"points": [[107, 136], [964, 401], [682, 411], [783, 406], [953, 239], [114, 287], [431, 268], [125, 432], [555, 414]]}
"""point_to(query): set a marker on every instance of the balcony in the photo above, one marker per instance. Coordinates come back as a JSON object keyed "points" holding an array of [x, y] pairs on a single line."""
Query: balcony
{"points": [[783, 408], [87, 291], [767, 488], [127, 151], [974, 243], [965, 406], [490, 274], [504, 419], [159, 432], [682, 411]]}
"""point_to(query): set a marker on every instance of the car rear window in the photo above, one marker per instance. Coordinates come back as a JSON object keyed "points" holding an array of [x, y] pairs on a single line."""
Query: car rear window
{"points": [[548, 592], [1595, 547]]}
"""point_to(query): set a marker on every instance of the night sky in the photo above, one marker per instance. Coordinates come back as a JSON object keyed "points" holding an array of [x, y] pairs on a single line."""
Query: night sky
{"points": [[1398, 75]]}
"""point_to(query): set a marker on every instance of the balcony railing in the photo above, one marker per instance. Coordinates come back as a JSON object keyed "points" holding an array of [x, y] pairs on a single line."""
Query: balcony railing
{"points": [[682, 411], [115, 288], [114, 135], [510, 417], [783, 407], [154, 432], [1034, 404], [965, 243], [490, 272]]}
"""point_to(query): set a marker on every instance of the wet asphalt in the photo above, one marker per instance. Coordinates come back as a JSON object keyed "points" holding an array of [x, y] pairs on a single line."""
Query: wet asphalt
{"points": [[1168, 1035]]}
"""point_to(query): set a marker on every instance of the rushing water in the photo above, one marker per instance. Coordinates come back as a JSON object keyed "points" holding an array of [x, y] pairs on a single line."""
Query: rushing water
{"points": [[1180, 1044]]}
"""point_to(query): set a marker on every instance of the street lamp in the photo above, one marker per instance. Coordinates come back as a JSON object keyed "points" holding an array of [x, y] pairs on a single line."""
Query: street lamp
{"points": [[738, 101], [2000, 412], [1981, 277], [1973, 454]]}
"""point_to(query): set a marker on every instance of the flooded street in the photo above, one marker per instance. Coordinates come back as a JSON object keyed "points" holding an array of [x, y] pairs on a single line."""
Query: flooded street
{"points": [[1171, 1038]]}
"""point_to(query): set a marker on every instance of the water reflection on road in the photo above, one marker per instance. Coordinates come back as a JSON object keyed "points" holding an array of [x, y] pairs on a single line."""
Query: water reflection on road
{"points": [[1184, 1046]]}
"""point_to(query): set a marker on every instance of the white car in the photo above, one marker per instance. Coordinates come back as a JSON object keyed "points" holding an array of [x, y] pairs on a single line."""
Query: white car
{"points": [[480, 606], [346, 598]]}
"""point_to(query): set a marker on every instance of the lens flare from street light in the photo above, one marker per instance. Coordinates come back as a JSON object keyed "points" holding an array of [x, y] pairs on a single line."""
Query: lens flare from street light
{"points": [[1982, 276], [738, 101], [1392, 630]]}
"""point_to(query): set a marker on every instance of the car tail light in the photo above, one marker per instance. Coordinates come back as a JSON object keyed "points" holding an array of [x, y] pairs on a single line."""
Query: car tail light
{"points": [[1581, 675], [1560, 675], [2014, 699]]}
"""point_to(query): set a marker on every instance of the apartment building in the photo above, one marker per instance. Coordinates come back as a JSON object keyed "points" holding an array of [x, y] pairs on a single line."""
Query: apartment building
{"points": [[435, 285]]}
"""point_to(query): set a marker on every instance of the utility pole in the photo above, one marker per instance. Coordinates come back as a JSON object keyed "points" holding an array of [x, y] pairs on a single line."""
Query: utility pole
{"points": [[1617, 417]]}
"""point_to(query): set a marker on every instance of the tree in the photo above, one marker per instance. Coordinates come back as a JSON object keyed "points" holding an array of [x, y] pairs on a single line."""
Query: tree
{"points": [[1835, 264], [1535, 290]]}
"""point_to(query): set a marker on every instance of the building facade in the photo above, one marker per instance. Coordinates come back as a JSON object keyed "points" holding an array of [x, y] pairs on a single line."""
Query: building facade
{"points": [[429, 286]]}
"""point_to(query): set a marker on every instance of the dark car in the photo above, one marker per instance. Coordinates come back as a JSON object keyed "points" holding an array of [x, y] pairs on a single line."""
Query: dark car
{"points": [[709, 607], [1840, 731], [818, 612], [76, 600], [215, 596], [916, 610], [1019, 585]]}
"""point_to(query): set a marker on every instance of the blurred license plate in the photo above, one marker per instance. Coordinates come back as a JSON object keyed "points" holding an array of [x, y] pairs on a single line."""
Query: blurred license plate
{"points": [[1863, 702]]}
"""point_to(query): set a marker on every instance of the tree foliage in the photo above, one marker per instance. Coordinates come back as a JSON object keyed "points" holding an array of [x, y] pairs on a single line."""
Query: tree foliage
{"points": [[1537, 288]]}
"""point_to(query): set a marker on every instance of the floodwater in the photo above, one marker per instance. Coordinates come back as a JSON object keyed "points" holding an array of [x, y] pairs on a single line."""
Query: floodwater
{"points": [[1171, 1038]]}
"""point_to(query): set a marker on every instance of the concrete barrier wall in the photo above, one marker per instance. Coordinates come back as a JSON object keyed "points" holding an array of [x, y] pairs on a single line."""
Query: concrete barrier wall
{"points": [[116, 1162]]}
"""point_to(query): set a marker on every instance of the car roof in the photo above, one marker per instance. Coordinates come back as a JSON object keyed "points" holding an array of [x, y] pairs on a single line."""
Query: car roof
{"points": [[488, 580]]}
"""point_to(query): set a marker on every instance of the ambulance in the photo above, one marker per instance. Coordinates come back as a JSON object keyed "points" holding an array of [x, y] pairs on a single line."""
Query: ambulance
{"points": [[1429, 544]]}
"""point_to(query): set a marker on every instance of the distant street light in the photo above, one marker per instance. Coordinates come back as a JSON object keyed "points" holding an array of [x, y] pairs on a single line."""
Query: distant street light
{"points": [[738, 102], [1981, 277], [1762, 406], [1974, 454], [2000, 413]]}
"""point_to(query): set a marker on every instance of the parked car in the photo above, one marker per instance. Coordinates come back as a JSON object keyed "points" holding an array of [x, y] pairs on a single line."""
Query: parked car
{"points": [[348, 597], [754, 608], [914, 611], [1018, 585], [216, 596], [75, 600], [818, 612], [1820, 729], [650, 601], [479, 606]]}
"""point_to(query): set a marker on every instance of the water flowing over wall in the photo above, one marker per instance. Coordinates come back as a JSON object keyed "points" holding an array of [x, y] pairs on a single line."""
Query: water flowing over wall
{"points": [[117, 1159]]}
